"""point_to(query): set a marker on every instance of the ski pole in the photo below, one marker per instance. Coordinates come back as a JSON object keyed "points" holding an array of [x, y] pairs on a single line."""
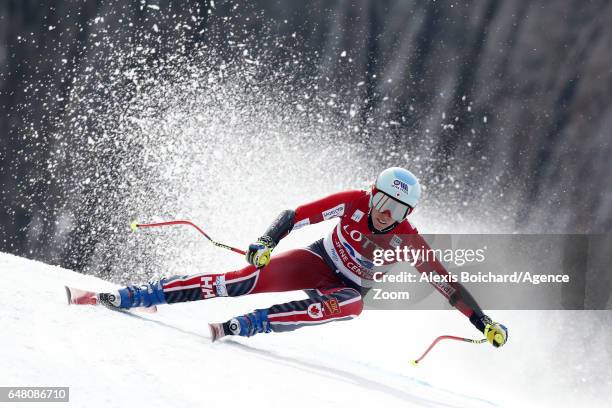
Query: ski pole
{"points": [[474, 341], [135, 225]]}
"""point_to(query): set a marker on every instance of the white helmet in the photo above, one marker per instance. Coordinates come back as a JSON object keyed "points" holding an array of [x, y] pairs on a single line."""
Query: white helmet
{"points": [[397, 191]]}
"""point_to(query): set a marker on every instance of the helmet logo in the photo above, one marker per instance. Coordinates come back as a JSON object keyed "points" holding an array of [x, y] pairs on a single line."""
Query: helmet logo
{"points": [[401, 186]]}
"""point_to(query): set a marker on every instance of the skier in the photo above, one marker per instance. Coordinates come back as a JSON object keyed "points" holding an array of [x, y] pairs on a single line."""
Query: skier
{"points": [[335, 271]]}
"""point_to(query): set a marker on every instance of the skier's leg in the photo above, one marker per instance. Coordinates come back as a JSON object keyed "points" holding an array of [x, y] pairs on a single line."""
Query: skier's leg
{"points": [[323, 307], [291, 270]]}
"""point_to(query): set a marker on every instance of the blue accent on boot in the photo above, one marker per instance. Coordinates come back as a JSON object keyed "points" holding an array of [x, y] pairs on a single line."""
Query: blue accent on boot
{"points": [[126, 298], [142, 296], [254, 322]]}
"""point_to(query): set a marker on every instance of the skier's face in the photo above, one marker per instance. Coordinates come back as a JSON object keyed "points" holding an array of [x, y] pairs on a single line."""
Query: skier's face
{"points": [[381, 220]]}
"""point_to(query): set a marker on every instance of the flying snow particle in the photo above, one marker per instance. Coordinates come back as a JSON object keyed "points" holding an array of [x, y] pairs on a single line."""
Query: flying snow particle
{"points": [[343, 54]]}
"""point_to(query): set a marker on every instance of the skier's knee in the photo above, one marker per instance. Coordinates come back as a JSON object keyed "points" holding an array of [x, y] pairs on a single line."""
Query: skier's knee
{"points": [[358, 306], [349, 301]]}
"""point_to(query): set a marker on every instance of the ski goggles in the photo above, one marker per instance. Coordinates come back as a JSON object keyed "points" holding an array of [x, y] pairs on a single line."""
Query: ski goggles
{"points": [[387, 204]]}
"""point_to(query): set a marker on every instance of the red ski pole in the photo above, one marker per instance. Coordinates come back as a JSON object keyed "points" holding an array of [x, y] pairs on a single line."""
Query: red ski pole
{"points": [[474, 341], [135, 225]]}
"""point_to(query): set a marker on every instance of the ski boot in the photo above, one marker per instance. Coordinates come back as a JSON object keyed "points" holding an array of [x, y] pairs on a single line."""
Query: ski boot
{"points": [[246, 325], [145, 296]]}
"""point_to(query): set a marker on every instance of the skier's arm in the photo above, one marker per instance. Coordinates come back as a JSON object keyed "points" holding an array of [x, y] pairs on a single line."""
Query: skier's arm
{"points": [[459, 297], [311, 213], [326, 208], [281, 226], [259, 253]]}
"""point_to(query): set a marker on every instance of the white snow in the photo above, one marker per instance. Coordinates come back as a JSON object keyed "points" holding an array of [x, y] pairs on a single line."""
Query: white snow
{"points": [[166, 359]]}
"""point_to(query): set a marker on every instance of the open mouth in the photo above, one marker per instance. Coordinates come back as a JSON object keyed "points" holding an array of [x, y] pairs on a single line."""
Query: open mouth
{"points": [[381, 221]]}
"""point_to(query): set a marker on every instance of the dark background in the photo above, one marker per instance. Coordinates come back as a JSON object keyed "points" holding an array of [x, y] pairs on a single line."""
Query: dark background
{"points": [[525, 84]]}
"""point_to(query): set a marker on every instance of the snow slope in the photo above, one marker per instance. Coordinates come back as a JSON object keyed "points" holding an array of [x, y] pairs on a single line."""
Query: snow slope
{"points": [[166, 359]]}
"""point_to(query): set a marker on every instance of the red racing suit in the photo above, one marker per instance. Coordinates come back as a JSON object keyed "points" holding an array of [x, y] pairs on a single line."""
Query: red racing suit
{"points": [[335, 272]]}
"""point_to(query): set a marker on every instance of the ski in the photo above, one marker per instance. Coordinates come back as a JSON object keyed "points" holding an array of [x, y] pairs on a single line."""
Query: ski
{"points": [[216, 331], [84, 297]]}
